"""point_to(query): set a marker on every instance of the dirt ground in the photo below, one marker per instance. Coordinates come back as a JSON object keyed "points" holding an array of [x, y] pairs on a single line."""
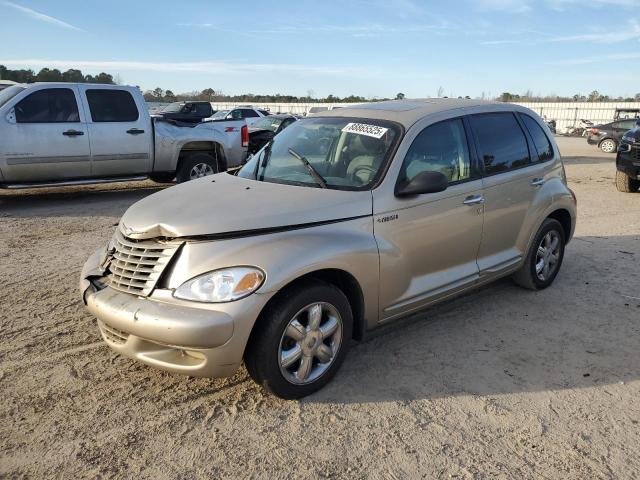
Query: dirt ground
{"points": [[502, 383]]}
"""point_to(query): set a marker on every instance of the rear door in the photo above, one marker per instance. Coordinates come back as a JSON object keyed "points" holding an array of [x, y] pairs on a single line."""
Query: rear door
{"points": [[120, 132], [511, 180], [46, 137]]}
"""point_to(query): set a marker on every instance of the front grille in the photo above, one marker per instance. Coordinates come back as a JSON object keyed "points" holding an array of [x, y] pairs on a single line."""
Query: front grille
{"points": [[636, 152], [136, 265], [113, 335]]}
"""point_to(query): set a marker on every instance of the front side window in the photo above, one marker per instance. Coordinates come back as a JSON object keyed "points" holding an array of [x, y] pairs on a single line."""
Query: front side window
{"points": [[502, 143], [540, 139], [112, 106], [52, 105], [248, 113], [203, 109], [347, 154], [441, 147]]}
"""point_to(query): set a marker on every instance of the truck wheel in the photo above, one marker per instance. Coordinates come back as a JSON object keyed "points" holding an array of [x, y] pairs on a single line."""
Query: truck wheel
{"points": [[301, 340], [626, 184], [608, 145], [544, 257], [196, 165]]}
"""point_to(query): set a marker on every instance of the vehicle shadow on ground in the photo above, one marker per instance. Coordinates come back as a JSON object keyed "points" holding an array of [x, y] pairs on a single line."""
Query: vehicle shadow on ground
{"points": [[72, 202], [581, 332], [610, 160]]}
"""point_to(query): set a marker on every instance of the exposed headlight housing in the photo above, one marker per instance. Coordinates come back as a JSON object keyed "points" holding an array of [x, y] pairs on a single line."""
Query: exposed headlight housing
{"points": [[218, 286]]}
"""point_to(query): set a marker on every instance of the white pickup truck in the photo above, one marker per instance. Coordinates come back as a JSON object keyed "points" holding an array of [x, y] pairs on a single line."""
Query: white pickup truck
{"points": [[67, 133]]}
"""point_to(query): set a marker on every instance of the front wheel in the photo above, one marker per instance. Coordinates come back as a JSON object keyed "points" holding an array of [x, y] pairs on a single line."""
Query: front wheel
{"points": [[544, 257], [608, 145], [626, 184], [301, 340]]}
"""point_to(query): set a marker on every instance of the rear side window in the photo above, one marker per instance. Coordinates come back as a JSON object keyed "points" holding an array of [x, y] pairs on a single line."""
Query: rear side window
{"points": [[502, 143], [203, 109], [441, 147], [540, 139], [264, 112], [52, 105], [248, 113], [626, 124], [112, 106]]}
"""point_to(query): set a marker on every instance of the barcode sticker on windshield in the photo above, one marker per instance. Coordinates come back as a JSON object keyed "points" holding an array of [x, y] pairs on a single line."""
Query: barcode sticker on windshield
{"points": [[364, 129]]}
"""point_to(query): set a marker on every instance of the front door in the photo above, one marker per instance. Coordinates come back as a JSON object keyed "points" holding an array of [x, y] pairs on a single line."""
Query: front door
{"points": [[428, 243], [120, 133], [46, 138]]}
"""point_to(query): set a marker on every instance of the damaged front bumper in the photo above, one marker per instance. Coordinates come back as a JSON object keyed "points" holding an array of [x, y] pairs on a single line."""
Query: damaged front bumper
{"points": [[173, 335]]}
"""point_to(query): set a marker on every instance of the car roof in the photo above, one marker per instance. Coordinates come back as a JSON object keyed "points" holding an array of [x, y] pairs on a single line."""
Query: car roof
{"points": [[408, 112], [279, 115]]}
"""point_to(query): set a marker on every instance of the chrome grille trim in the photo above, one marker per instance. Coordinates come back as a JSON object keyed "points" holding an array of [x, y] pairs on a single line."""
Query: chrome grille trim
{"points": [[136, 265]]}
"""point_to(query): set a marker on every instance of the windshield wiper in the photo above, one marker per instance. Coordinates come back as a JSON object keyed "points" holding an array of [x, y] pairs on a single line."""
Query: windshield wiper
{"points": [[312, 171]]}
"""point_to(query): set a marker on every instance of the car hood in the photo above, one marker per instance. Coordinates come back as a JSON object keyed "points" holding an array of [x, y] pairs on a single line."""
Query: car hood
{"points": [[224, 204]]}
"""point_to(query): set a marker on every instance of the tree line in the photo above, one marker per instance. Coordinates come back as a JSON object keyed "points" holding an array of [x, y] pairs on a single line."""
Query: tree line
{"points": [[53, 75]]}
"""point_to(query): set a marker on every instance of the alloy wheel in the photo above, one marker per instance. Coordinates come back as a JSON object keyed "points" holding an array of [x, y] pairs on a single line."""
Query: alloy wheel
{"points": [[310, 343], [200, 170], [548, 255], [608, 146]]}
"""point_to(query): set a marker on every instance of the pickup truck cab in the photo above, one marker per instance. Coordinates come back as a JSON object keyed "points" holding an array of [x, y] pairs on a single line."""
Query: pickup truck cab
{"points": [[345, 221], [65, 133]]}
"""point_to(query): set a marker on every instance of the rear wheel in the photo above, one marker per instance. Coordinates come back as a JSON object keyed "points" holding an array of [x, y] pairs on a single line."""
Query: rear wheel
{"points": [[608, 145], [544, 257], [626, 184], [301, 340], [196, 165]]}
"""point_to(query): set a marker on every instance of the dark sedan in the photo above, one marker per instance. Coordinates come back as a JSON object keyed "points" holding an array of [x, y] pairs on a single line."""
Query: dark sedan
{"points": [[608, 136], [263, 130], [191, 112]]}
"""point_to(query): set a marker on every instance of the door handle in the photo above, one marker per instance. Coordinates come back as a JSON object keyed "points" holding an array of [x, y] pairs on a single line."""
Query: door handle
{"points": [[473, 200], [135, 131], [536, 182], [72, 133]]}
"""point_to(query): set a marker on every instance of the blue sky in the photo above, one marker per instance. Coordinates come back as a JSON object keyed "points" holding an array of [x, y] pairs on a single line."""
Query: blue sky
{"points": [[373, 48]]}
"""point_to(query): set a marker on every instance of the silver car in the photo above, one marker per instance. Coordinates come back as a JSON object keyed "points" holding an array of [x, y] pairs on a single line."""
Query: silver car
{"points": [[345, 221]]}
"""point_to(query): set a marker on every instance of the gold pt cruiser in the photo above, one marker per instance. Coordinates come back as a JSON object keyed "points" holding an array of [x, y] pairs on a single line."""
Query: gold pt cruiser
{"points": [[345, 221]]}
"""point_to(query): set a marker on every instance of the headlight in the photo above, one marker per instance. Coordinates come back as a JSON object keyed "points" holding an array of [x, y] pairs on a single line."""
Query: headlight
{"points": [[224, 285]]}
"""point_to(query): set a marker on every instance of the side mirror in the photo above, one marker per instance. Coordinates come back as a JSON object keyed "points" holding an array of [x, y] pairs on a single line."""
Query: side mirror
{"points": [[424, 182]]}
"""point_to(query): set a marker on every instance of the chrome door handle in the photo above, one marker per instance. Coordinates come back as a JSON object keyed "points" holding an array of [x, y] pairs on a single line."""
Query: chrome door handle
{"points": [[473, 200], [536, 182]]}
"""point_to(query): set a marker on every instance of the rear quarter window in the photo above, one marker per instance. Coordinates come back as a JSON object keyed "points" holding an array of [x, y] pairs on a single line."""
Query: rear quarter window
{"points": [[112, 106], [502, 143], [540, 139]]}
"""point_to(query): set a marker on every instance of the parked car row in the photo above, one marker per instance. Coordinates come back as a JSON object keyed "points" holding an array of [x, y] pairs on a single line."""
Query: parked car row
{"points": [[609, 135]]}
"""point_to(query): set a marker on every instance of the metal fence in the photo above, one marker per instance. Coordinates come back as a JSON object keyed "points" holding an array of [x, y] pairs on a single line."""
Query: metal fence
{"points": [[566, 115]]}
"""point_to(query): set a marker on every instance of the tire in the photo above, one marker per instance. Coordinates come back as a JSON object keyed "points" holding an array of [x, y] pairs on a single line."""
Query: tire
{"points": [[200, 161], [608, 145], [162, 177], [626, 184], [528, 276], [269, 342]]}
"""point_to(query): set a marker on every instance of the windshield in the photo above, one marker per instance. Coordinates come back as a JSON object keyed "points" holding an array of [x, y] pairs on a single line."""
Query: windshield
{"points": [[173, 107], [220, 114], [267, 123], [10, 92], [346, 153]]}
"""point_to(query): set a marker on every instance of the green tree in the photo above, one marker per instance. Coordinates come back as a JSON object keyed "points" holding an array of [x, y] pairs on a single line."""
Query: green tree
{"points": [[399, 96], [73, 75], [48, 75]]}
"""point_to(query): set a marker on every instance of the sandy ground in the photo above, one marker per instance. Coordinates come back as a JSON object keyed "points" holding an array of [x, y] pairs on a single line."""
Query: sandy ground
{"points": [[502, 383]]}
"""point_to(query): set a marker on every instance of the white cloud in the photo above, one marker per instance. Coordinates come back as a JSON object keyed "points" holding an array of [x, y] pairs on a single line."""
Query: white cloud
{"points": [[514, 6], [41, 16], [209, 67]]}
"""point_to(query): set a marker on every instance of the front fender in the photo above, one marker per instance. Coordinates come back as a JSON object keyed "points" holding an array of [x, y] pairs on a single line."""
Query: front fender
{"points": [[289, 255]]}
